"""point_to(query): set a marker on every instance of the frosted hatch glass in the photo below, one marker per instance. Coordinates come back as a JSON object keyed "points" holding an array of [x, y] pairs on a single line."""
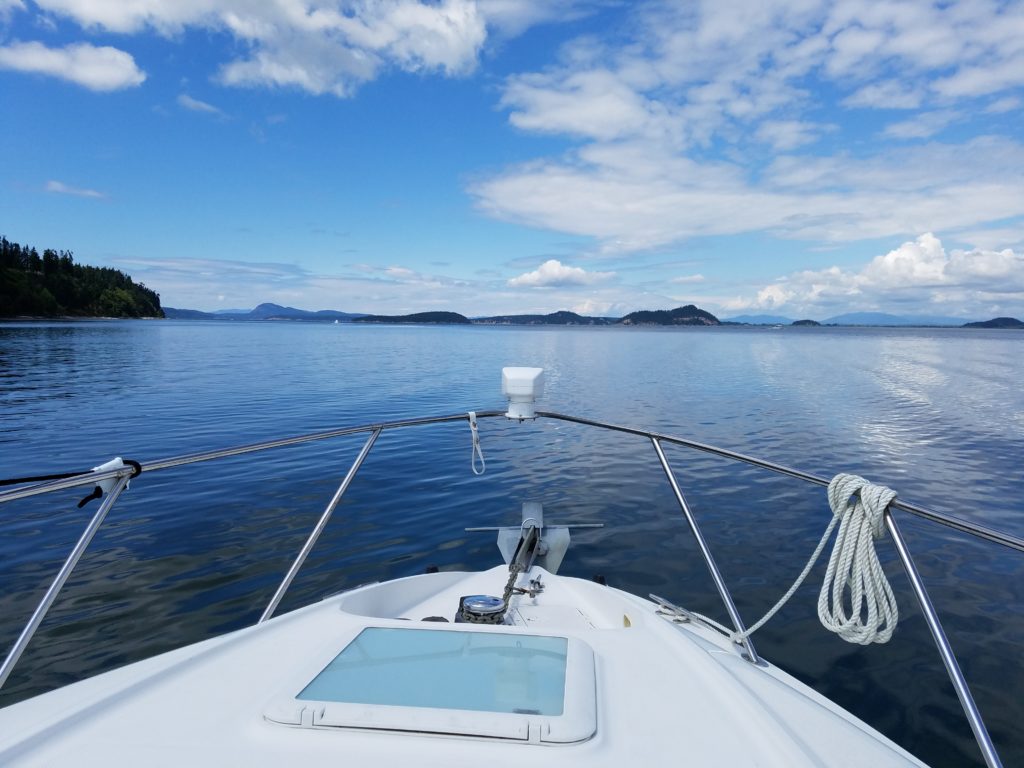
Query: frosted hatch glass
{"points": [[478, 671]]}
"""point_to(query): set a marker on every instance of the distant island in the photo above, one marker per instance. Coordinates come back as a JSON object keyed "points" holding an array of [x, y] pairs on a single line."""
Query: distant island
{"points": [[809, 323], [52, 285], [688, 315], [997, 322], [422, 318], [555, 318]]}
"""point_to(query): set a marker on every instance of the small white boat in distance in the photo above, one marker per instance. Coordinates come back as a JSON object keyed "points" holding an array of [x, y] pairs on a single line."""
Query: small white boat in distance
{"points": [[512, 666]]}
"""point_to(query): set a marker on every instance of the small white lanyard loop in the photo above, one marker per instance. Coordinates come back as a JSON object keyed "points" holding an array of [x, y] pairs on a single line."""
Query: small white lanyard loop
{"points": [[477, 452]]}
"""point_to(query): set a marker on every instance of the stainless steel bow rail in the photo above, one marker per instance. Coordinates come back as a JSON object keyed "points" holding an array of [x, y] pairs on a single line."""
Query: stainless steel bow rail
{"points": [[748, 652]]}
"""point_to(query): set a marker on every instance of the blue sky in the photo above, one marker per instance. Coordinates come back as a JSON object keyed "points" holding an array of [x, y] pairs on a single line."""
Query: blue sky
{"points": [[796, 158]]}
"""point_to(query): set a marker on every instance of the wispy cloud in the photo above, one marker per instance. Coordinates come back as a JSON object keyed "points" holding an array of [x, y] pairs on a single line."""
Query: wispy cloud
{"points": [[922, 126], [669, 126], [886, 94], [631, 197], [1005, 104], [7, 6], [97, 68], [60, 188], [784, 135], [195, 105]]}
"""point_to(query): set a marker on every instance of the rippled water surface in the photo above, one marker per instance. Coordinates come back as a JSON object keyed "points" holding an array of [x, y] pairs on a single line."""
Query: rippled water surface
{"points": [[195, 551]]}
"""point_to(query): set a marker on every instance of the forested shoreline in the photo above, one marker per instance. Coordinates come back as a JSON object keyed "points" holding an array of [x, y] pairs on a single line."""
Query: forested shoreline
{"points": [[52, 285]]}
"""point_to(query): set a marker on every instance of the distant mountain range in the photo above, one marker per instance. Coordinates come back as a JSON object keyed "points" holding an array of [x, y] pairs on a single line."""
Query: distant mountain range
{"points": [[759, 320], [856, 318], [262, 312], [881, 318]]}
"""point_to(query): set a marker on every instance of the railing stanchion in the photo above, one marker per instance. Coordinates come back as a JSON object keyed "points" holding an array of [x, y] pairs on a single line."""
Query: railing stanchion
{"points": [[62, 576], [956, 676], [716, 575], [321, 524]]}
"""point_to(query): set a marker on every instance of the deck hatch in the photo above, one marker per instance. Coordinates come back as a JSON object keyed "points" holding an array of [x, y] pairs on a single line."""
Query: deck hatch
{"points": [[488, 684], [477, 671]]}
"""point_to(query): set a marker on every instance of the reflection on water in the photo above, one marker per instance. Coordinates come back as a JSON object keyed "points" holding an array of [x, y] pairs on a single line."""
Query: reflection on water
{"points": [[196, 551]]}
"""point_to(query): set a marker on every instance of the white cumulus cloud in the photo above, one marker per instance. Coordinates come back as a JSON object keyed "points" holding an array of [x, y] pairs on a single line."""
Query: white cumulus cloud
{"points": [[554, 273], [919, 273], [320, 46], [98, 68]]}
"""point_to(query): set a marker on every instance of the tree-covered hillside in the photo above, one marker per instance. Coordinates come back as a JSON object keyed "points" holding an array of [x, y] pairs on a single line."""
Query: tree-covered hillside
{"points": [[440, 318], [688, 315], [52, 285]]}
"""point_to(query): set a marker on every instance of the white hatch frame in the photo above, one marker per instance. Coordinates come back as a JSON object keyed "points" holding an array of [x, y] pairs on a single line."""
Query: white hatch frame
{"points": [[576, 722]]}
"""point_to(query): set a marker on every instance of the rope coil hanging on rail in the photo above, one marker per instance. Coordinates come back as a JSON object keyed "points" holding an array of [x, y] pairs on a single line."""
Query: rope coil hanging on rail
{"points": [[858, 507]]}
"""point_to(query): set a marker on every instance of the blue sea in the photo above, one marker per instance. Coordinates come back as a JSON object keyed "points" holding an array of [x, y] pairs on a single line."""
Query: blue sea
{"points": [[191, 552]]}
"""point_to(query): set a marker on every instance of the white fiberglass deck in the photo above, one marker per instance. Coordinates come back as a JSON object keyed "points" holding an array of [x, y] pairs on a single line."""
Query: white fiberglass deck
{"points": [[659, 693]]}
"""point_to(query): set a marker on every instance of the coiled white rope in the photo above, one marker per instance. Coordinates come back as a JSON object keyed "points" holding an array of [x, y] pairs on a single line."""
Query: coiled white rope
{"points": [[859, 509], [477, 451]]}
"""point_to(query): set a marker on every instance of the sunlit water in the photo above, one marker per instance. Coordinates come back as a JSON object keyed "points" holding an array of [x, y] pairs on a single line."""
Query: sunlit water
{"points": [[196, 551]]}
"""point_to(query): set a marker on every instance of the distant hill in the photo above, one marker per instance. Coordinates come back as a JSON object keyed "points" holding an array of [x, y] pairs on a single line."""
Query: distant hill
{"points": [[997, 322], [759, 319], [807, 323], [434, 318], [881, 318], [262, 312], [172, 313], [277, 312], [688, 315], [555, 318]]}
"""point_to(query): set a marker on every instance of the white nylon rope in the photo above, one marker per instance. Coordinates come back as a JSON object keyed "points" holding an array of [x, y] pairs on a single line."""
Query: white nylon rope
{"points": [[859, 508], [477, 451]]}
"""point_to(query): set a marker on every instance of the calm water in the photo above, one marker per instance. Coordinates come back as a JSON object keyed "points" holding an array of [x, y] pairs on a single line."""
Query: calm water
{"points": [[195, 551]]}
